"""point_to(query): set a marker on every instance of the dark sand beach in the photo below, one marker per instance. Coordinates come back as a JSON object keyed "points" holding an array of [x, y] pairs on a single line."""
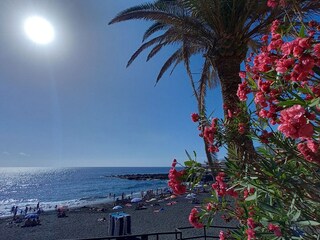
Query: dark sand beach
{"points": [[86, 222]]}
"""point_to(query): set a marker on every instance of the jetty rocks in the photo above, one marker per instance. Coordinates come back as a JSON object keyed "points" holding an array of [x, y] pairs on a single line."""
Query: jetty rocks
{"points": [[144, 177]]}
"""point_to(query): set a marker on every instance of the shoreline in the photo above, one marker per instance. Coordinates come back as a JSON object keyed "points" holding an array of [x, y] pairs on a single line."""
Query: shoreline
{"points": [[161, 215], [84, 201]]}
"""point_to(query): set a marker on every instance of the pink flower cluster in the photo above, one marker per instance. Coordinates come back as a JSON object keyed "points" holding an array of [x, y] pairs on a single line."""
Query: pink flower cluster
{"points": [[294, 123], [292, 61], [195, 117], [208, 132], [275, 3], [250, 231], [221, 187], [275, 229], [194, 218], [209, 135], [243, 91], [264, 137], [241, 128], [310, 151], [222, 235], [175, 179], [280, 71]]}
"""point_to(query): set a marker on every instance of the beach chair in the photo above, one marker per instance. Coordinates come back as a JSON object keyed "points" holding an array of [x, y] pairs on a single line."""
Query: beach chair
{"points": [[119, 224]]}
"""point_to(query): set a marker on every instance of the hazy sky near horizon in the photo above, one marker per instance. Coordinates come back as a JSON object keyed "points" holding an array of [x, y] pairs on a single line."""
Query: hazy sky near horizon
{"points": [[74, 103]]}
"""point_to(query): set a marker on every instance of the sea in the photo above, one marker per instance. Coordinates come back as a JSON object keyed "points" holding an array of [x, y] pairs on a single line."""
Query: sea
{"points": [[72, 187]]}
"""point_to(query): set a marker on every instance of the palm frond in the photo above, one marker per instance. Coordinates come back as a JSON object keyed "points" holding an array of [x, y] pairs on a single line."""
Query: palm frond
{"points": [[176, 56], [154, 28]]}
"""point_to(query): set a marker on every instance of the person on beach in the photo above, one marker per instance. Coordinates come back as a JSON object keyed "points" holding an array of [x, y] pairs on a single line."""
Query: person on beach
{"points": [[38, 205], [12, 209], [15, 212]]}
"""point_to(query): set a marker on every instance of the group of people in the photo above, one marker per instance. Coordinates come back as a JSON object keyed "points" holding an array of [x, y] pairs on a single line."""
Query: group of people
{"points": [[143, 194], [15, 210]]}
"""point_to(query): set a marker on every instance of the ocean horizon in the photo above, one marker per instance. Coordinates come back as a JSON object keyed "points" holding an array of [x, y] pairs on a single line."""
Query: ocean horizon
{"points": [[70, 186]]}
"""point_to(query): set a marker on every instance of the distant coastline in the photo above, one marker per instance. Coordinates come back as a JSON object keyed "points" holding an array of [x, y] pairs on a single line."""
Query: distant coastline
{"points": [[143, 177]]}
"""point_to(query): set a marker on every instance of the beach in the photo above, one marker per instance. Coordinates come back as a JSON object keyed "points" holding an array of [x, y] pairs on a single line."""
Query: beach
{"points": [[93, 221]]}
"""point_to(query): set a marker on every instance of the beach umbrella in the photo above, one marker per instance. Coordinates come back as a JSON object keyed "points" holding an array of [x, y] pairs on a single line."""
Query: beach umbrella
{"points": [[116, 207], [151, 200], [31, 216], [191, 195], [135, 200]]}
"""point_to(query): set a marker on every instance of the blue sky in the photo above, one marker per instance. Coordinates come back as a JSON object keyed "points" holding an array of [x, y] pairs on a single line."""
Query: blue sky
{"points": [[74, 103]]}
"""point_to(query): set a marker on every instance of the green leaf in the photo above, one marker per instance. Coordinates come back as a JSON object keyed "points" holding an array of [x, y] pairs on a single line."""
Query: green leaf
{"points": [[290, 103], [296, 216], [308, 223], [195, 154], [189, 157], [188, 163], [303, 90], [252, 197], [314, 102], [302, 32], [268, 208]]}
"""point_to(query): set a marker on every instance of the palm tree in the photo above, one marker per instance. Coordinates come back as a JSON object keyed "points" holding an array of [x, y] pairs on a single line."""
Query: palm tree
{"points": [[220, 30]]}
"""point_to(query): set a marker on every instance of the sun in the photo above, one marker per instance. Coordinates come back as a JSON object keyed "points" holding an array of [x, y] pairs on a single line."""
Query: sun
{"points": [[39, 30]]}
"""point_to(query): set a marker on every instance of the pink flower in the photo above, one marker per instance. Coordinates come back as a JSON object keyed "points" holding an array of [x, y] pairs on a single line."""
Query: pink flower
{"points": [[313, 146], [316, 50], [287, 48], [276, 229], [293, 123], [209, 206], [283, 65], [195, 117], [265, 38], [250, 223], [272, 3], [232, 193], [306, 131], [241, 128], [213, 149], [175, 179], [194, 218], [263, 113], [260, 99], [308, 153], [222, 236], [243, 91], [251, 234], [264, 137], [220, 186], [174, 163], [242, 74]]}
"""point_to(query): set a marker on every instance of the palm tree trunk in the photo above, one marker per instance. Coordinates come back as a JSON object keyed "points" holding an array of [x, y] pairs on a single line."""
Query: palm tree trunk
{"points": [[200, 97], [228, 71]]}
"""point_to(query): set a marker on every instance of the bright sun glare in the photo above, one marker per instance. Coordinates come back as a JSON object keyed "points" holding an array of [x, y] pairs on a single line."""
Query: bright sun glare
{"points": [[39, 30]]}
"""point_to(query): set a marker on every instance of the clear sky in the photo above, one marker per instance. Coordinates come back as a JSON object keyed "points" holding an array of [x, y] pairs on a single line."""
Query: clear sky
{"points": [[74, 103]]}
